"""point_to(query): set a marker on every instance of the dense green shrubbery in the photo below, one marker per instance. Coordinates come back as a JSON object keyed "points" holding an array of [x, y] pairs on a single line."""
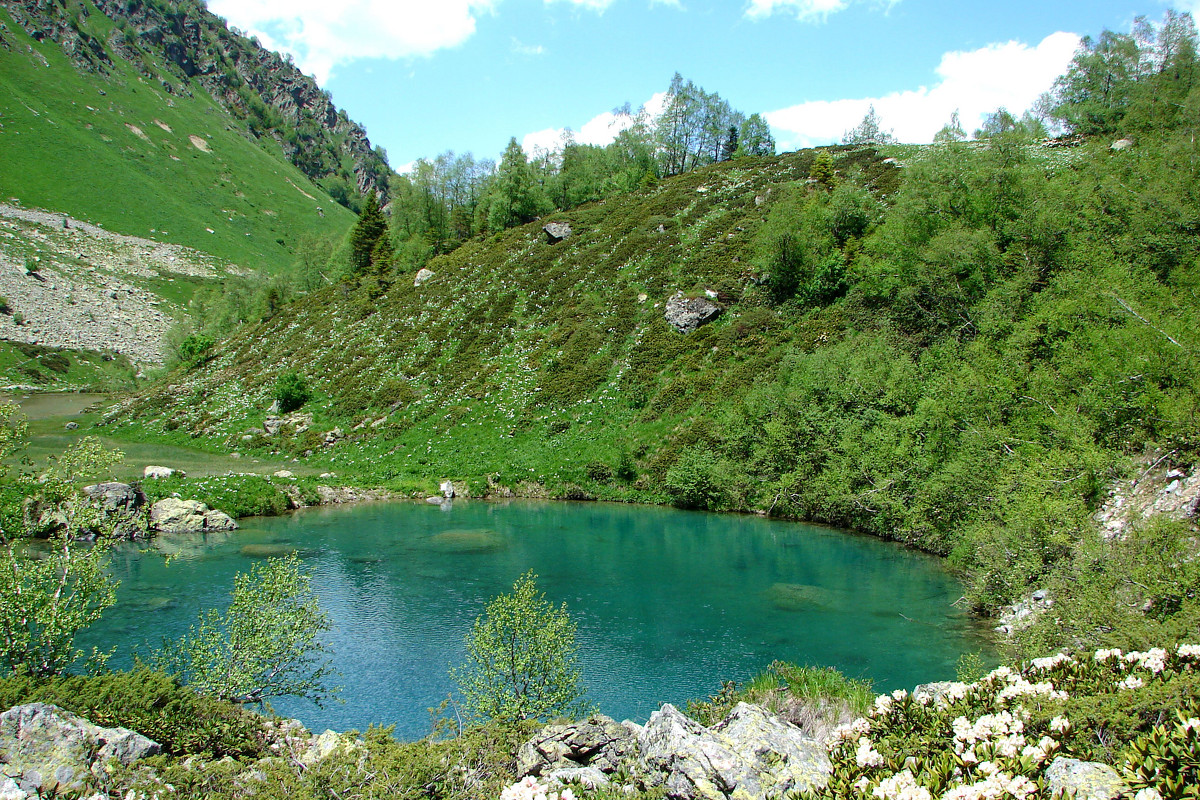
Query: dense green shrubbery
{"points": [[1000, 733], [150, 703], [291, 392], [783, 684]]}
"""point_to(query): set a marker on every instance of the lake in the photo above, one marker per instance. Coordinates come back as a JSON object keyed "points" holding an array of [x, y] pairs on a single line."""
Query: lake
{"points": [[669, 603]]}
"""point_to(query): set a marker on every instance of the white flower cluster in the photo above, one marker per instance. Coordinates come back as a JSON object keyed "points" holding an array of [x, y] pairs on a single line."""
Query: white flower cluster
{"points": [[1050, 662], [901, 786], [1154, 659], [990, 728], [1105, 655], [529, 789], [853, 730], [1023, 688], [866, 755], [1188, 651], [995, 786]]}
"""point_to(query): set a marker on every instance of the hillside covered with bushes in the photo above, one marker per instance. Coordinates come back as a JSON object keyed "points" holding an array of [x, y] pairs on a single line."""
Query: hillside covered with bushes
{"points": [[960, 346]]}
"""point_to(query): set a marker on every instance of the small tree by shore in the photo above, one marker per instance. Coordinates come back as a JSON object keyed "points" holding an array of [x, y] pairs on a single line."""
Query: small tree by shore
{"points": [[522, 659]]}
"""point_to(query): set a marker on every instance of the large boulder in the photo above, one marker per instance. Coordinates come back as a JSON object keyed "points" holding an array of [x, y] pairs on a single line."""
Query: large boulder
{"points": [[557, 231], [172, 515], [115, 497], [47, 751], [749, 754], [686, 314], [598, 742], [1084, 780], [422, 276]]}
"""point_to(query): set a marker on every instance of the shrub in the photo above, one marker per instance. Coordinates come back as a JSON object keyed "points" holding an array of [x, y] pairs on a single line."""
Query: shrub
{"points": [[194, 349], [696, 481], [291, 392], [265, 645], [521, 659], [150, 703]]}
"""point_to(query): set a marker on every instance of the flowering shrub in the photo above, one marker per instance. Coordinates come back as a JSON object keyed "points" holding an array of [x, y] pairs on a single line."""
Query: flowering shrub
{"points": [[993, 739], [529, 789]]}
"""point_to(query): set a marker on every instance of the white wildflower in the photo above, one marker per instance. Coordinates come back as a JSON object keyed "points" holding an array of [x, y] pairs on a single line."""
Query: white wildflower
{"points": [[901, 786], [866, 755], [1149, 793], [1131, 682], [1050, 662], [1060, 725], [1188, 650], [1105, 655]]}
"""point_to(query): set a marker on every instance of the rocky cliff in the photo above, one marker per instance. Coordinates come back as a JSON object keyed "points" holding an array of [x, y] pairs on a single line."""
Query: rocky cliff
{"points": [[199, 51]]}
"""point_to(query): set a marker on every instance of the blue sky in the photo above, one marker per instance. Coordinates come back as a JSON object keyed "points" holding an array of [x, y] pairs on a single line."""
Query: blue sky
{"points": [[426, 76]]}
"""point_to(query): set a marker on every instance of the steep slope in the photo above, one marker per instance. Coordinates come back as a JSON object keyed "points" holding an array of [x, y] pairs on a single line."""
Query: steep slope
{"points": [[99, 120]]}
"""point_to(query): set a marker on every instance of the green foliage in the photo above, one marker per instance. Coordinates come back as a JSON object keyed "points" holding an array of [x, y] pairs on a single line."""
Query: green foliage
{"points": [[291, 392], [869, 131], [1005, 729], [45, 601], [195, 348], [266, 644], [521, 659], [365, 237], [240, 495], [782, 685], [152, 704], [1167, 759], [696, 480]]}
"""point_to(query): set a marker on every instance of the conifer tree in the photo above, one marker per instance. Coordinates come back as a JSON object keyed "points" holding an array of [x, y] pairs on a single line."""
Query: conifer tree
{"points": [[369, 229]]}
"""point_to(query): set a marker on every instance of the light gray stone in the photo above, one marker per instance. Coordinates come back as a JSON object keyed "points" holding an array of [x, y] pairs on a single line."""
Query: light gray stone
{"points": [[46, 750], [686, 314], [598, 742], [153, 472], [1122, 144], [422, 276], [173, 515], [749, 754], [557, 231], [114, 497], [1088, 780]]}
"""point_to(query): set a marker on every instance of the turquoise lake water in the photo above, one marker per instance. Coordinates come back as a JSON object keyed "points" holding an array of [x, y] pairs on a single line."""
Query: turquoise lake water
{"points": [[669, 603]]}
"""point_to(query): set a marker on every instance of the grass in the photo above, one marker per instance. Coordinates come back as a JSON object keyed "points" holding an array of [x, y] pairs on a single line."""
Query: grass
{"points": [[69, 145]]}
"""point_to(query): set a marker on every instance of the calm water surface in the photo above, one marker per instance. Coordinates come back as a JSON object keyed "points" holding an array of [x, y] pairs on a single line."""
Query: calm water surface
{"points": [[669, 603]]}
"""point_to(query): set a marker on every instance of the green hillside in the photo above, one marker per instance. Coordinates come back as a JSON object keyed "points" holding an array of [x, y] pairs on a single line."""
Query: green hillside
{"points": [[118, 150], [975, 341]]}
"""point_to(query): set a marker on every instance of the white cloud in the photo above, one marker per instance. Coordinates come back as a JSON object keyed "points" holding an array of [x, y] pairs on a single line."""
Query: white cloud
{"points": [[601, 129], [808, 10], [591, 5], [522, 49], [976, 82], [320, 34]]}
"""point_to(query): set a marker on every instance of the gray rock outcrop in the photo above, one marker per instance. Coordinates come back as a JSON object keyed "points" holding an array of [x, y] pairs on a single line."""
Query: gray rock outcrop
{"points": [[47, 751], [1122, 144], [115, 497], [422, 276], [598, 743], [1160, 488], [1087, 780], [557, 231], [686, 314], [172, 515]]}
